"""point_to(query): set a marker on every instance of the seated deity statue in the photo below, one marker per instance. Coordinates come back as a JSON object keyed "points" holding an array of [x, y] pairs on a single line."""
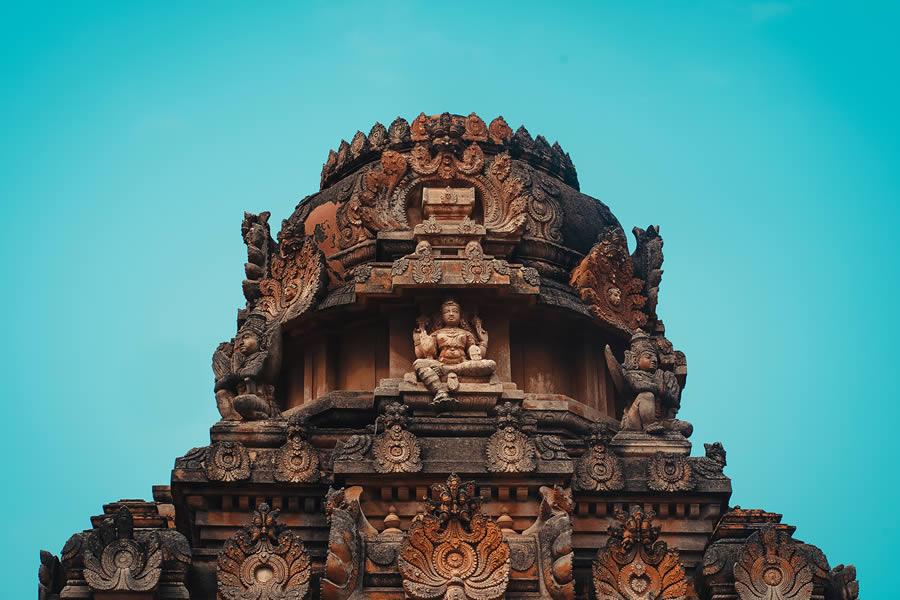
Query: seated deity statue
{"points": [[241, 369], [453, 348], [655, 392]]}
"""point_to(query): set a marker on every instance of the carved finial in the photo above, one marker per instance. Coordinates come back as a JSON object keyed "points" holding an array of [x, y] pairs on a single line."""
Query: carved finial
{"points": [[115, 560]]}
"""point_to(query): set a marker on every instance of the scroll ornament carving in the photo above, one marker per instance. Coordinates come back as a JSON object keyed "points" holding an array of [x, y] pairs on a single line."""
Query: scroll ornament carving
{"points": [[115, 561], [508, 449], [772, 566], [669, 473], [599, 469], [476, 268], [454, 552], [544, 214], [396, 450], [297, 280], [227, 461], [263, 561], [343, 565], [553, 528], [635, 565], [354, 447], [368, 209], [297, 461], [505, 210], [711, 465], [605, 280]]}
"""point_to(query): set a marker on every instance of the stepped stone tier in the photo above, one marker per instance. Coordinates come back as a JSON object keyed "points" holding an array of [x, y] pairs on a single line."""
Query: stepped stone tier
{"points": [[449, 381]]}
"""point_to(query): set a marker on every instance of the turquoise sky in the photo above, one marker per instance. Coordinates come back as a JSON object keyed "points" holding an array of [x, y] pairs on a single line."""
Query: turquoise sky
{"points": [[762, 137]]}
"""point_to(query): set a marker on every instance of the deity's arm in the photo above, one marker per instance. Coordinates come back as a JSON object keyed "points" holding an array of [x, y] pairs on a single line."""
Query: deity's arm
{"points": [[480, 338], [426, 346]]}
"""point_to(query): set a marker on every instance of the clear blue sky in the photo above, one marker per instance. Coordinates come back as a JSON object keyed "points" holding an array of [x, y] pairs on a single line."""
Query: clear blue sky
{"points": [[762, 137]]}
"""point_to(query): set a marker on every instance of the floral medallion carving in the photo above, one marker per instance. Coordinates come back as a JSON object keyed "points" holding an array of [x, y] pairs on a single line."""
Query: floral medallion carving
{"points": [[454, 552], [599, 469], [635, 564], [396, 450], [508, 449], [772, 566], [263, 561], [669, 473], [227, 461], [115, 561], [297, 280], [605, 279], [476, 268], [297, 461], [425, 268]]}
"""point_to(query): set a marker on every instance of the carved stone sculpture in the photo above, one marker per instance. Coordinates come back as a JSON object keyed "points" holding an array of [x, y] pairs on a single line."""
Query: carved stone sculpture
{"points": [[257, 236], [297, 461], [450, 348], [227, 461], [508, 449], [654, 393], [711, 465], [599, 469], [454, 552], [346, 544], [553, 529], [244, 369], [669, 473], [842, 584], [772, 566], [396, 450], [115, 561], [635, 564], [51, 576], [264, 561], [605, 279]]}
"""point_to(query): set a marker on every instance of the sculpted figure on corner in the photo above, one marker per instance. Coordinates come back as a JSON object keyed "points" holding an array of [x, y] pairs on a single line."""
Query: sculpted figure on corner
{"points": [[452, 348], [655, 392], [242, 368]]}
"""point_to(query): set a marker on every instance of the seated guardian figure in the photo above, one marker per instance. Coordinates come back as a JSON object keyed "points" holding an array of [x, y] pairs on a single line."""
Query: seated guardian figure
{"points": [[452, 348]]}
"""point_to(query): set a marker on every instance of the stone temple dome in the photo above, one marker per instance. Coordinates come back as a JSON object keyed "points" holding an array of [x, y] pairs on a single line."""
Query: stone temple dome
{"points": [[449, 382]]}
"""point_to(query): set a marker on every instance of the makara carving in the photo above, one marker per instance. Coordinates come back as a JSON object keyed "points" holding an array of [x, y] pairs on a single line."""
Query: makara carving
{"points": [[669, 473], [772, 566], [260, 246], [115, 561], [711, 465], [454, 551], [605, 279], [599, 469], [508, 449], [396, 450], [654, 393], [447, 347], [227, 461], [346, 544], [297, 461], [647, 259], [635, 564], [51, 576], [553, 529], [263, 561]]}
